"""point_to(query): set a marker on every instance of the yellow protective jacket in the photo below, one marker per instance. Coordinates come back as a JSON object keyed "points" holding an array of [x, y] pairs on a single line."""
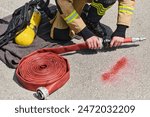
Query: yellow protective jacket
{"points": [[70, 11]]}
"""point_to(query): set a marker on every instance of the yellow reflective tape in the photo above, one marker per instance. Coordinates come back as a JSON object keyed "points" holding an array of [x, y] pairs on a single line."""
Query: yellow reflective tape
{"points": [[100, 8], [126, 9], [75, 17], [71, 17]]}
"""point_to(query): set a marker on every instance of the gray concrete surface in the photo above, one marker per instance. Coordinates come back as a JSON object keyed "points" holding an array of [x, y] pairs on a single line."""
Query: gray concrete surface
{"points": [[133, 82]]}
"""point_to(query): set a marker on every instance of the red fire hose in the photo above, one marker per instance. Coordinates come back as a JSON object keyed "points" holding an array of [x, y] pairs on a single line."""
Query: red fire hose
{"points": [[45, 71]]}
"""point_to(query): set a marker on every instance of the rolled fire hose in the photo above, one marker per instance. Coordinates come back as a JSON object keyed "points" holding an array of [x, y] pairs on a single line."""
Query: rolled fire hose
{"points": [[45, 71]]}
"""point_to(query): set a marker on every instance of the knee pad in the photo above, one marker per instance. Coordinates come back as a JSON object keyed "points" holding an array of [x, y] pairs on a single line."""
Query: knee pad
{"points": [[61, 34], [105, 3]]}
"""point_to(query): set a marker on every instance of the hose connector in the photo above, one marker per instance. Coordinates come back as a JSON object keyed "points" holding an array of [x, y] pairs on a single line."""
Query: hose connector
{"points": [[42, 93], [138, 39]]}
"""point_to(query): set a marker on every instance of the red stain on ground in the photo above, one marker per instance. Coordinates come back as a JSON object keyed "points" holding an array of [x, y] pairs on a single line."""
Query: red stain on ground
{"points": [[115, 69]]}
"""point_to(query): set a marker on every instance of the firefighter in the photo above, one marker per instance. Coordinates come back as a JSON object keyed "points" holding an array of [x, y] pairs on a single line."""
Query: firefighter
{"points": [[68, 20]]}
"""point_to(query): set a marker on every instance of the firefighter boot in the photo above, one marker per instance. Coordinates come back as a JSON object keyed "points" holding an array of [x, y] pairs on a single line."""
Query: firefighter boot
{"points": [[95, 27]]}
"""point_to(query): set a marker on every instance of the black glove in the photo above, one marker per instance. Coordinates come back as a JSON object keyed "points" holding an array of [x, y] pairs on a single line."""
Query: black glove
{"points": [[86, 33], [120, 31]]}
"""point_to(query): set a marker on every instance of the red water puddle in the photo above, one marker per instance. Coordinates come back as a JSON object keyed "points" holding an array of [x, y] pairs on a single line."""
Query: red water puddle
{"points": [[115, 69]]}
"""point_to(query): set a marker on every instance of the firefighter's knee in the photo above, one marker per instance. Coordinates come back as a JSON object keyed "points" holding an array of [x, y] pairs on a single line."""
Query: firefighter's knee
{"points": [[61, 34]]}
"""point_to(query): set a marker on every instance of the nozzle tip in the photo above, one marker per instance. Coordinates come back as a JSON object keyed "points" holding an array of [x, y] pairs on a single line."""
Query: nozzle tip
{"points": [[138, 39], [142, 38]]}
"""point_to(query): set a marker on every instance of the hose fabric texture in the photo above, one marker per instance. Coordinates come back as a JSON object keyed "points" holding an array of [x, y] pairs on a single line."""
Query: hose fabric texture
{"points": [[45, 68]]}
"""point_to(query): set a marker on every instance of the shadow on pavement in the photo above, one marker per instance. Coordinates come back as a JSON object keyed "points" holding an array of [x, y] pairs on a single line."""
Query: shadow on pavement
{"points": [[120, 47], [88, 52], [15, 80]]}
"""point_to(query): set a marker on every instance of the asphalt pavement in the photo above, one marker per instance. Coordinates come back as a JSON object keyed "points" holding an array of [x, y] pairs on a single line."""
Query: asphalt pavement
{"points": [[87, 67]]}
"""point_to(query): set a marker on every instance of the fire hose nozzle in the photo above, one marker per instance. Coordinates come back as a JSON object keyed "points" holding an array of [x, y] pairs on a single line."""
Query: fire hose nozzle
{"points": [[138, 39], [42, 93]]}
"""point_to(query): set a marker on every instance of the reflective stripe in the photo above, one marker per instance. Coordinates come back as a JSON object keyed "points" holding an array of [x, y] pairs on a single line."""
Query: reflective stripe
{"points": [[100, 8], [126, 9], [71, 17]]}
